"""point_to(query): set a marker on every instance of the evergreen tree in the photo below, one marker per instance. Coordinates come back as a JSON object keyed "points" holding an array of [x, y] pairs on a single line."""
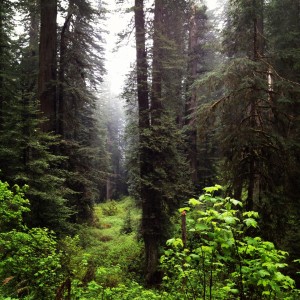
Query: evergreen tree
{"points": [[132, 136], [8, 91], [245, 134], [26, 152], [80, 73], [199, 62], [116, 186], [284, 78], [164, 176], [256, 128], [48, 63]]}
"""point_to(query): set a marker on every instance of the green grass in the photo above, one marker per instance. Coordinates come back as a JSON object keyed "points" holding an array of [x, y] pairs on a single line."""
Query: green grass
{"points": [[115, 256], [112, 251]]}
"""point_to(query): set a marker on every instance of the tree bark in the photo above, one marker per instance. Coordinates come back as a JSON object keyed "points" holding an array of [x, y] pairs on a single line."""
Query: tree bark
{"points": [[156, 92], [142, 66], [47, 64], [191, 101], [150, 201], [258, 51], [61, 73], [2, 37], [30, 76]]}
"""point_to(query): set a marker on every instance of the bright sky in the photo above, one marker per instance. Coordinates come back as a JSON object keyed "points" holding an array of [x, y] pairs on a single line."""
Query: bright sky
{"points": [[118, 62]]}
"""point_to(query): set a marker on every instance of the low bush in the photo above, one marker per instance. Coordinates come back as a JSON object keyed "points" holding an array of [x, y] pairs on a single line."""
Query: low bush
{"points": [[219, 260], [30, 265]]}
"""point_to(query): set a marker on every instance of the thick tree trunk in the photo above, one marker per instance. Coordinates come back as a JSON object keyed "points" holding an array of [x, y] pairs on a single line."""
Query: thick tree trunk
{"points": [[47, 67], [149, 199], [156, 92]]}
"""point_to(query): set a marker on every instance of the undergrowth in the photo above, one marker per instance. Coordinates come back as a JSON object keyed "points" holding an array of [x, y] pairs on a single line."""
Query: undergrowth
{"points": [[115, 253], [218, 260]]}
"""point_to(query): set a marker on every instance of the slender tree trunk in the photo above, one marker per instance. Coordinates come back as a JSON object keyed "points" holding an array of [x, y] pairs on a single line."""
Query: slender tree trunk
{"points": [[258, 49], [142, 66], [61, 72], [47, 61], [1, 61], [30, 76], [191, 101], [183, 228]]}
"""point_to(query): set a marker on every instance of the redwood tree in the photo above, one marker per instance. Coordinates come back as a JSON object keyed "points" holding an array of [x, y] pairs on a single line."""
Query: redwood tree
{"points": [[47, 63], [164, 176]]}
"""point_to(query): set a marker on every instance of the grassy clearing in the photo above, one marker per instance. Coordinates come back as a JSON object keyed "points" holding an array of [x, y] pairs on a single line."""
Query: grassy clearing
{"points": [[112, 244]]}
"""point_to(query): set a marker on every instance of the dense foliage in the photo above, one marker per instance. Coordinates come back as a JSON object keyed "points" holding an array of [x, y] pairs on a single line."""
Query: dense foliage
{"points": [[30, 263], [223, 258], [213, 97]]}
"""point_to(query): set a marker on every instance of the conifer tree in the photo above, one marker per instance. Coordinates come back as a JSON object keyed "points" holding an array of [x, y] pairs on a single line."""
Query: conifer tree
{"points": [[284, 78], [131, 136], [198, 61], [80, 73], [255, 122], [26, 151], [249, 97], [164, 176], [9, 94], [48, 63]]}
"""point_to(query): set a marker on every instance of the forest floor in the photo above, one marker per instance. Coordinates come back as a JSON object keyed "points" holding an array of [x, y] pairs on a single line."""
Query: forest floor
{"points": [[112, 243]]}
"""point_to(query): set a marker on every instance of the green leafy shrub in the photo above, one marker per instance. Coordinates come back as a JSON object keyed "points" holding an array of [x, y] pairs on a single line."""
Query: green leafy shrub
{"points": [[110, 276], [12, 206], [127, 226], [219, 260], [73, 257], [132, 291], [110, 208], [29, 262]]}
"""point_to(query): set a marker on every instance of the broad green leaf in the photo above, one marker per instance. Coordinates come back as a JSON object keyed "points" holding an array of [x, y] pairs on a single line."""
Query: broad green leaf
{"points": [[263, 273], [279, 276], [201, 227], [236, 202], [212, 189], [181, 210], [267, 293], [230, 220], [194, 202], [194, 256], [175, 242], [251, 214], [263, 282], [250, 222]]}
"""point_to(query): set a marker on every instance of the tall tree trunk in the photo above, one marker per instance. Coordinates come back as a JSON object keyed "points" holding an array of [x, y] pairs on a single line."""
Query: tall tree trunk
{"points": [[147, 194], [2, 37], [258, 49], [152, 206], [191, 101], [30, 76], [142, 66], [156, 92], [61, 71], [47, 61]]}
